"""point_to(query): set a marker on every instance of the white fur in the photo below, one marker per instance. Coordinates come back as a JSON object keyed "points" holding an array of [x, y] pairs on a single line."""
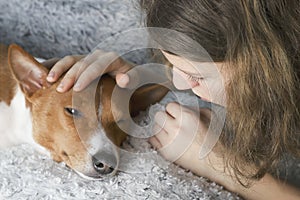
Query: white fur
{"points": [[15, 123], [98, 141], [86, 177]]}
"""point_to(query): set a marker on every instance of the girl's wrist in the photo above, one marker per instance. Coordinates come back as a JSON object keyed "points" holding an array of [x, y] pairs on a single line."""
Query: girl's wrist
{"points": [[266, 188], [228, 182]]}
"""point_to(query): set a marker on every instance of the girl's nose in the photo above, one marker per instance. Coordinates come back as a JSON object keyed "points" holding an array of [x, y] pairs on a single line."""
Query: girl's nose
{"points": [[181, 81]]}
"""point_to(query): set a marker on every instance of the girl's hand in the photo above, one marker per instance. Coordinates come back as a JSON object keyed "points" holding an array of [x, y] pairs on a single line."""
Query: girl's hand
{"points": [[178, 130], [82, 70], [179, 133]]}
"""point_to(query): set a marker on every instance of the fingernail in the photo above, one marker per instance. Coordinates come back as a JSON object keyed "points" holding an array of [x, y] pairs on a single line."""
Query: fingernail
{"points": [[50, 76], [124, 80], [60, 87]]}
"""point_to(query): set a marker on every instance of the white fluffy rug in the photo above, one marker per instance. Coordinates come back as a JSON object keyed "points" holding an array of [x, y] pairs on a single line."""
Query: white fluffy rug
{"points": [[26, 174]]}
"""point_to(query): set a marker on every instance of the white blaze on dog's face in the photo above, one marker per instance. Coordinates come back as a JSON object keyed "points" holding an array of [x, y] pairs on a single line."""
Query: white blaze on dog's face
{"points": [[76, 128]]}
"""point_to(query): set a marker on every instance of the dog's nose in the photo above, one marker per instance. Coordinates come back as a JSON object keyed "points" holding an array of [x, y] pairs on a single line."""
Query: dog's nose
{"points": [[104, 163], [102, 168]]}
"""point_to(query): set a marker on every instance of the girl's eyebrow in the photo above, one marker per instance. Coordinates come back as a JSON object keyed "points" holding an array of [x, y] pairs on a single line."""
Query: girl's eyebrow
{"points": [[205, 71], [169, 52], [189, 73]]}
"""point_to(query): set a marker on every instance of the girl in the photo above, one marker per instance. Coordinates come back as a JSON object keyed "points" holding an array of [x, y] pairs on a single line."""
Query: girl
{"points": [[255, 45]]}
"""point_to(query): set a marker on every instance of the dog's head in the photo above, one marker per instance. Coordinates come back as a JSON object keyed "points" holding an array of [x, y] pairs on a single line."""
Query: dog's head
{"points": [[77, 128]]}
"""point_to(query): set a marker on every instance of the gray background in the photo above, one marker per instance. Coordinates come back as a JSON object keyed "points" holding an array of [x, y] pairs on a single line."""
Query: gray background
{"points": [[55, 28]]}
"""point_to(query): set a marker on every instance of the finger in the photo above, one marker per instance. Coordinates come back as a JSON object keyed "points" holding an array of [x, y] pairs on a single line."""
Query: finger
{"points": [[102, 65], [80, 66], [121, 67], [162, 136], [160, 118], [66, 83], [108, 62], [121, 76], [156, 129], [50, 63], [174, 109], [166, 122], [71, 76], [184, 111], [143, 75], [60, 67], [84, 63], [155, 142], [91, 73], [122, 80], [133, 78]]}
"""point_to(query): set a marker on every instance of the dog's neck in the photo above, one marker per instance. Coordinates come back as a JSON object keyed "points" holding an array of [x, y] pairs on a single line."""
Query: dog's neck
{"points": [[15, 117]]}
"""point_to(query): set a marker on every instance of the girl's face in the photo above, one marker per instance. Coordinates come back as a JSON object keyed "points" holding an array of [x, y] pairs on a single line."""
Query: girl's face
{"points": [[205, 79]]}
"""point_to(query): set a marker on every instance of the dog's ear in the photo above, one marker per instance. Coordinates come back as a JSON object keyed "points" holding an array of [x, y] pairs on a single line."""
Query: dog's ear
{"points": [[30, 74], [145, 96]]}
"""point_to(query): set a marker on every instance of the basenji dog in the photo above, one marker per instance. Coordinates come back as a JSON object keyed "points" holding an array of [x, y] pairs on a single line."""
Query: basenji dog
{"points": [[81, 131]]}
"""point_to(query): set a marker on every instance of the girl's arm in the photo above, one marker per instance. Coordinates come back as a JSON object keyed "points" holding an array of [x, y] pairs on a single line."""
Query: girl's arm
{"points": [[269, 188]]}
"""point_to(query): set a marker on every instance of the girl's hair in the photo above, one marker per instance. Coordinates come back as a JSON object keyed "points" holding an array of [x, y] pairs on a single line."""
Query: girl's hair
{"points": [[259, 40]]}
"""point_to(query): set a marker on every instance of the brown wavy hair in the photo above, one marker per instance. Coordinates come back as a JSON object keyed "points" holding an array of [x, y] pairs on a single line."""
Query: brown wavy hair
{"points": [[259, 40]]}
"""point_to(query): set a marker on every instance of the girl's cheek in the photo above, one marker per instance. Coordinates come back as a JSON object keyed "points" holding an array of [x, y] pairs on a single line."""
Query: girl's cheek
{"points": [[180, 81], [203, 92]]}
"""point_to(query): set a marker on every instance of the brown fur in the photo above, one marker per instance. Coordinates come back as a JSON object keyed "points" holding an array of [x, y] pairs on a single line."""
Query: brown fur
{"points": [[7, 83]]}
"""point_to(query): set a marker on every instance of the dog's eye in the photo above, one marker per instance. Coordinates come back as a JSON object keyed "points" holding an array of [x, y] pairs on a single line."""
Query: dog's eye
{"points": [[73, 112]]}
